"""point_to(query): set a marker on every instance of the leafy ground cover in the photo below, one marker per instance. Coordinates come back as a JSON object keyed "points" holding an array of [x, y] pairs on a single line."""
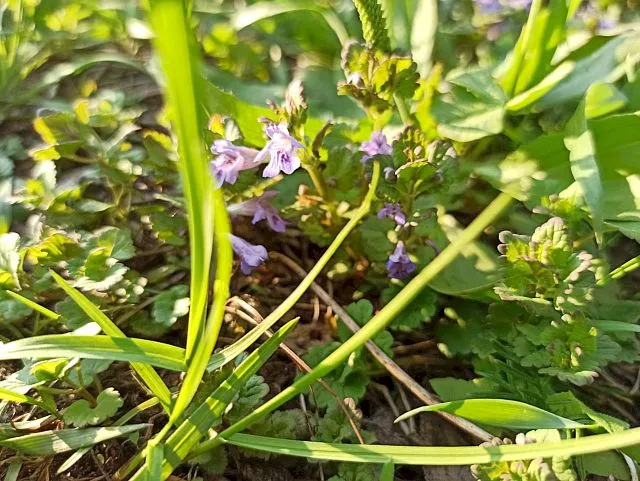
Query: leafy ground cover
{"points": [[319, 240]]}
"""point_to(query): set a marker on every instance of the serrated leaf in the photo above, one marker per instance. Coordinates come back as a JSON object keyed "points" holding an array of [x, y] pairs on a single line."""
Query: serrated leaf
{"points": [[169, 306], [115, 242], [80, 413]]}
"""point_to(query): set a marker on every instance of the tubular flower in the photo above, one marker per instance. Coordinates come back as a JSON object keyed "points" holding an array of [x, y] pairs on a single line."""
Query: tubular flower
{"points": [[399, 265], [260, 209], [281, 149], [251, 256], [377, 145], [229, 160], [393, 212]]}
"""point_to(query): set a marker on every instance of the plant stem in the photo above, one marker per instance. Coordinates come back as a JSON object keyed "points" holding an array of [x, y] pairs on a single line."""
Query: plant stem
{"points": [[318, 181], [376, 324], [621, 271], [405, 115]]}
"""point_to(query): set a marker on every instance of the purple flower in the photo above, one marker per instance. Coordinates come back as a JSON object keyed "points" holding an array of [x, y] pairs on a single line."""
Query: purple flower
{"points": [[260, 209], [399, 265], [230, 160], [488, 6], [393, 212], [251, 256], [282, 150], [377, 145]]}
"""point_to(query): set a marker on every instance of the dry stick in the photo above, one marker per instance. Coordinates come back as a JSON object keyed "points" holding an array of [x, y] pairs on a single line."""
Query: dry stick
{"points": [[257, 319], [396, 371]]}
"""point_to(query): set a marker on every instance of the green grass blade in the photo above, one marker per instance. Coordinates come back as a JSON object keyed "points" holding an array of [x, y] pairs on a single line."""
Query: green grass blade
{"points": [[14, 397], [185, 91], [181, 63], [616, 326], [148, 375], [180, 444], [54, 442], [34, 305], [437, 456], [378, 322], [96, 347], [502, 413]]}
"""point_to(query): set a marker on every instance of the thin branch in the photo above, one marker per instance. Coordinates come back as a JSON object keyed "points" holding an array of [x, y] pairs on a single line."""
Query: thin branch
{"points": [[257, 319], [396, 371]]}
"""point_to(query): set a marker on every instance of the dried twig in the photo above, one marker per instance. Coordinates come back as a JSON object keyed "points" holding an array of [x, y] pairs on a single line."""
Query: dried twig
{"points": [[382, 358], [255, 318]]}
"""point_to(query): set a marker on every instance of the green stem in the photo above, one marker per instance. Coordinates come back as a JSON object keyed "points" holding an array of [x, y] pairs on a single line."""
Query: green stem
{"points": [[621, 271], [318, 181], [405, 115], [375, 325]]}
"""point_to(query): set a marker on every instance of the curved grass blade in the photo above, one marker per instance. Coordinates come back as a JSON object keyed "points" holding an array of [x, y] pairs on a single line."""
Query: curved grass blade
{"points": [[182, 65], [186, 436], [148, 375], [96, 347], [502, 413], [184, 91], [54, 442], [436, 456], [261, 10], [14, 397], [34, 305]]}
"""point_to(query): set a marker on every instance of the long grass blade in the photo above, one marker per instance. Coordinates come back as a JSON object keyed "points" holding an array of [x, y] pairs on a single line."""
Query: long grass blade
{"points": [[181, 64], [34, 305], [96, 347], [205, 205], [55, 442], [148, 375], [180, 444], [437, 456]]}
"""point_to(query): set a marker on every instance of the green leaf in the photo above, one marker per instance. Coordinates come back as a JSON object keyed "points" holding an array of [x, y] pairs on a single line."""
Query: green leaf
{"points": [[136, 351], [116, 242], [436, 456], [584, 167], [9, 260], [146, 372], [169, 306], [501, 413], [48, 443], [473, 109], [453, 389], [80, 413], [387, 472]]}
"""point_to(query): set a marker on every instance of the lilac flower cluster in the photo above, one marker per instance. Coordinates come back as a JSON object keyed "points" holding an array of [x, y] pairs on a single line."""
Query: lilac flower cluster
{"points": [[281, 149], [377, 145], [281, 152], [393, 212]]}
